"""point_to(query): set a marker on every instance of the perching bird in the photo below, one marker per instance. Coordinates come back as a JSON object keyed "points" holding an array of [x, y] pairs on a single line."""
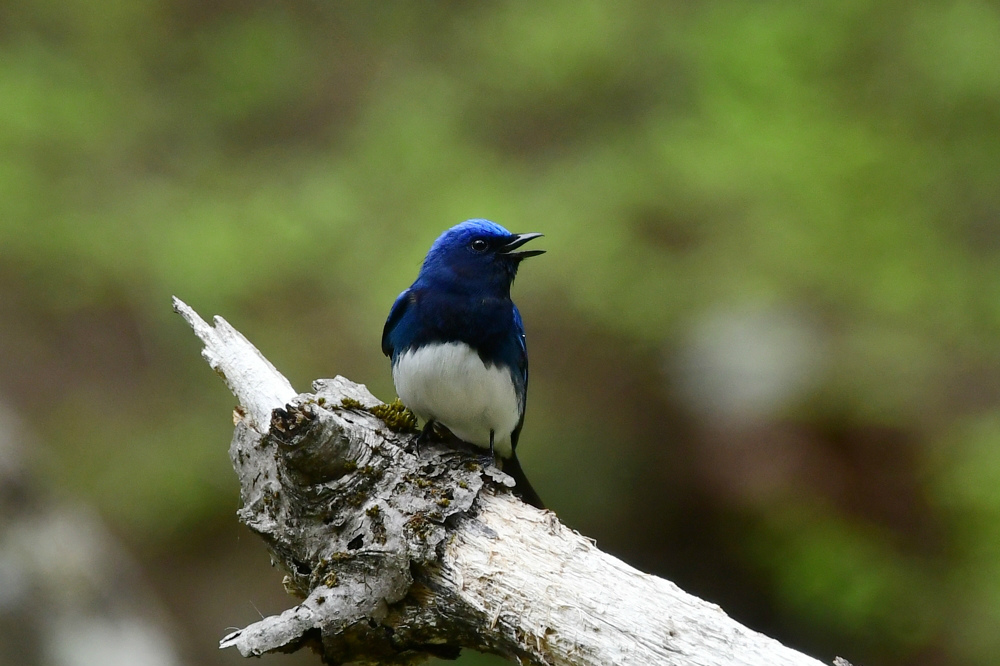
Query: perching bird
{"points": [[457, 342]]}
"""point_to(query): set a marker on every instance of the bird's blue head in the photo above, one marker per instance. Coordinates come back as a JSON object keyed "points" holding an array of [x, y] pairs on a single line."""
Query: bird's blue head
{"points": [[476, 255]]}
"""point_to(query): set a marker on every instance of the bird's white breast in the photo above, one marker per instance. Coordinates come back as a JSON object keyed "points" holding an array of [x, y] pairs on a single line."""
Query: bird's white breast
{"points": [[449, 383]]}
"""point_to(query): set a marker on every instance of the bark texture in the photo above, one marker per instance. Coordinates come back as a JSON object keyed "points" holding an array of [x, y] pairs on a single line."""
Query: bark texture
{"points": [[398, 552]]}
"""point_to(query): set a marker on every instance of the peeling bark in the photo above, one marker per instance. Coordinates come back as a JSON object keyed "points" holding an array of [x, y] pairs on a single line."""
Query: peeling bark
{"points": [[399, 552]]}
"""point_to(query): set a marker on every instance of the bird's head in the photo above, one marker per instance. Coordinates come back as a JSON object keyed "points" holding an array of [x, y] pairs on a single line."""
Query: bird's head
{"points": [[477, 255]]}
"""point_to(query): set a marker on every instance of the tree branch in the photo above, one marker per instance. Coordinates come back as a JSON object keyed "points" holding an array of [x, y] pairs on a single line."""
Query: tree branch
{"points": [[399, 553]]}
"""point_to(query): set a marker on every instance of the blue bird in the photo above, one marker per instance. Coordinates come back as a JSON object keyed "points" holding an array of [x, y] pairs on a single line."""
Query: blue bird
{"points": [[457, 344]]}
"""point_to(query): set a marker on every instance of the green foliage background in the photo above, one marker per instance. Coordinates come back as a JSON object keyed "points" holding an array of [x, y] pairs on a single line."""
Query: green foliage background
{"points": [[287, 164]]}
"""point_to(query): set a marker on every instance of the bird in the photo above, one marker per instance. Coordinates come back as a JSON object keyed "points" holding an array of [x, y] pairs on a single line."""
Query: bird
{"points": [[457, 345]]}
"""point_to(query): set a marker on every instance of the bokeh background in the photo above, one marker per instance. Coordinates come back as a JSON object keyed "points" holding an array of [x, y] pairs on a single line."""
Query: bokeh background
{"points": [[765, 340]]}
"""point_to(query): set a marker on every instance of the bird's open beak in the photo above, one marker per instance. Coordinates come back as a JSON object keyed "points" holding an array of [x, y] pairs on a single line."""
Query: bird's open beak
{"points": [[517, 241]]}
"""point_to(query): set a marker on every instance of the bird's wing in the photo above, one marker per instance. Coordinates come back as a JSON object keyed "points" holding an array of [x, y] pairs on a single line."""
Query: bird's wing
{"points": [[522, 365], [399, 307], [522, 368]]}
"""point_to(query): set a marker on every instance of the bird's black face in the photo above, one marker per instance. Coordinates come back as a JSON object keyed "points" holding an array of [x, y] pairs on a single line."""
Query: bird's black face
{"points": [[503, 248], [496, 257]]}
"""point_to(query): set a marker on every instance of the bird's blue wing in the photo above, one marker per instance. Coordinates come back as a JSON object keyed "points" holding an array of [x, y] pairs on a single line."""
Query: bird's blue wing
{"points": [[520, 370], [522, 365], [403, 301]]}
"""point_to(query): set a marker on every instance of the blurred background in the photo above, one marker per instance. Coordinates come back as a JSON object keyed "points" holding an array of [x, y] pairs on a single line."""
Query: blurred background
{"points": [[765, 340]]}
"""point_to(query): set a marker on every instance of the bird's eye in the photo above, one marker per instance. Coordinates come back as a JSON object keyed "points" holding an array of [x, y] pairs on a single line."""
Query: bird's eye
{"points": [[479, 245]]}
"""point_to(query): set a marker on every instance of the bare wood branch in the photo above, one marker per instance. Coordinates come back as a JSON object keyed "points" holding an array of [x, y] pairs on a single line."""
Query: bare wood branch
{"points": [[399, 553], [256, 383]]}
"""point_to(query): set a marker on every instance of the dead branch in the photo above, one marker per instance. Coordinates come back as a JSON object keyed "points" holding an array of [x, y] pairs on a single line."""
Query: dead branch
{"points": [[398, 553]]}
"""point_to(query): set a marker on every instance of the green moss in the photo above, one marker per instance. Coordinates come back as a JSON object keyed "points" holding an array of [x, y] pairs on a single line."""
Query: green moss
{"points": [[293, 588], [351, 403], [374, 512], [269, 497], [325, 573], [396, 416], [419, 525]]}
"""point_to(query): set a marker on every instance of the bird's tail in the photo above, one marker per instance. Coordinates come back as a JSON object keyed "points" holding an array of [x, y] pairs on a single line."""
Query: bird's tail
{"points": [[522, 488]]}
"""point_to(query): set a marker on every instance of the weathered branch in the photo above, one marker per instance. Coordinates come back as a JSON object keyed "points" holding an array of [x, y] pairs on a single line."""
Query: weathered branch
{"points": [[398, 553]]}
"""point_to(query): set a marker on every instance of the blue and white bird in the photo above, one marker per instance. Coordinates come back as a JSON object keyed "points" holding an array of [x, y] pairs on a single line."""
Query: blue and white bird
{"points": [[457, 342]]}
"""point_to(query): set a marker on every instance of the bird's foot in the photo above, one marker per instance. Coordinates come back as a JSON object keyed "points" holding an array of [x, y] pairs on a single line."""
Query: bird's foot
{"points": [[486, 460], [426, 432], [423, 438], [432, 432], [491, 458]]}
